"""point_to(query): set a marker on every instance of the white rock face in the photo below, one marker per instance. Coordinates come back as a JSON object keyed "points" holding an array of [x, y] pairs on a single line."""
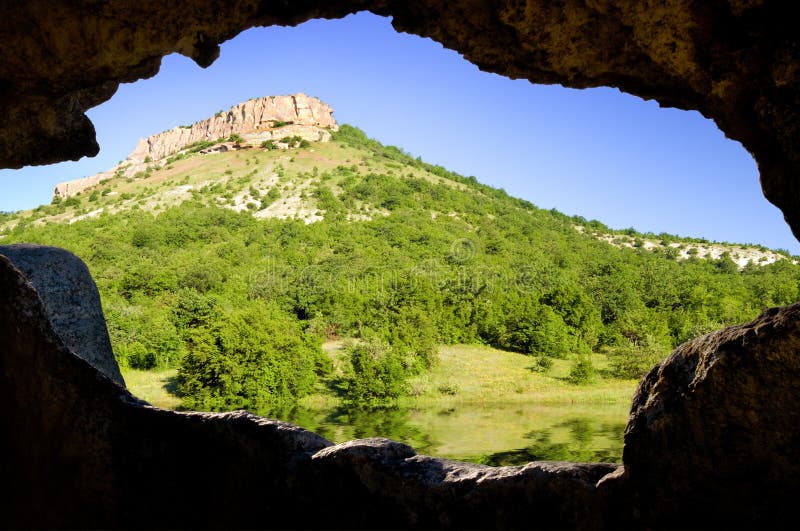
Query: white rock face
{"points": [[306, 114], [256, 120]]}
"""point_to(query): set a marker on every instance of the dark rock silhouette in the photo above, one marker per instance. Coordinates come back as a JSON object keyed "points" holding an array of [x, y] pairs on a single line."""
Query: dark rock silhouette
{"points": [[80, 451], [735, 61], [714, 433]]}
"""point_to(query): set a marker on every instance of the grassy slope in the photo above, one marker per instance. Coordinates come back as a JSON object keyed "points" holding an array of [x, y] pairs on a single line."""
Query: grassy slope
{"points": [[170, 183], [470, 374], [237, 172]]}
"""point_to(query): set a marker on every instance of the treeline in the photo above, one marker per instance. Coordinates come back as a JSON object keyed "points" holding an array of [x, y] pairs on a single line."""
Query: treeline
{"points": [[242, 306]]}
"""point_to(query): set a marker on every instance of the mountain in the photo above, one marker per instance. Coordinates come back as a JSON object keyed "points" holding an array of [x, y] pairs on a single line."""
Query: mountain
{"points": [[253, 122], [233, 247]]}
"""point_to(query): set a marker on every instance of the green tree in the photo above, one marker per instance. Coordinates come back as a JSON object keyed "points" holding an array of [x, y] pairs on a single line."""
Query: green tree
{"points": [[376, 376]]}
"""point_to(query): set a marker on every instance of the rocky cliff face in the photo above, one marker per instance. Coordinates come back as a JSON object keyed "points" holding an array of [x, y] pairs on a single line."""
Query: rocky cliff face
{"points": [[261, 118], [256, 120]]}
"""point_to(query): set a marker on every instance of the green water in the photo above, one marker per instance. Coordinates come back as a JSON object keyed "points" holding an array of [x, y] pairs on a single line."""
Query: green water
{"points": [[492, 434]]}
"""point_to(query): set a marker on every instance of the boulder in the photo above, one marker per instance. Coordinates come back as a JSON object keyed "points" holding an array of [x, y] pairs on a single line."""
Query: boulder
{"points": [[71, 302], [714, 434], [395, 487]]}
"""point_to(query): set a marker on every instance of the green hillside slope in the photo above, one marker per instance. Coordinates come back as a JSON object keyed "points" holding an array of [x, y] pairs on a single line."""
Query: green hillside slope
{"points": [[235, 267]]}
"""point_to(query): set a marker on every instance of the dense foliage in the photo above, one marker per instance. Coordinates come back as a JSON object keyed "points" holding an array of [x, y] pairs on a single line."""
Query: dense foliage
{"points": [[241, 305]]}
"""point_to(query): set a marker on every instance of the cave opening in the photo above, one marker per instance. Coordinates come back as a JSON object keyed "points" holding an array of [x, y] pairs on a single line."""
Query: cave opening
{"points": [[535, 141], [636, 461]]}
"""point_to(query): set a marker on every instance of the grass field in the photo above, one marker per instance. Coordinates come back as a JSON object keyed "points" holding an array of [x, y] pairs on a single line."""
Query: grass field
{"points": [[480, 374], [489, 406], [478, 404], [464, 375]]}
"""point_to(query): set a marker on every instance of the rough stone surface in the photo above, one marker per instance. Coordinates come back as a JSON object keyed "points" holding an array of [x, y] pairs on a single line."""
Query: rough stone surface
{"points": [[398, 488], [712, 443], [253, 116], [71, 300], [714, 433], [256, 120], [735, 61]]}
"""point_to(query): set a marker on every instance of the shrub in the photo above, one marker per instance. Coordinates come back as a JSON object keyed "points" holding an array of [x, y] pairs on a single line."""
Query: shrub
{"points": [[582, 371], [376, 375], [136, 355], [635, 360], [252, 357], [448, 389], [543, 364]]}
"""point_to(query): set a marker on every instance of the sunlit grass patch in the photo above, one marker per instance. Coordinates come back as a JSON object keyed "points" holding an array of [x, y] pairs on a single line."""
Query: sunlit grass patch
{"points": [[155, 387], [481, 374]]}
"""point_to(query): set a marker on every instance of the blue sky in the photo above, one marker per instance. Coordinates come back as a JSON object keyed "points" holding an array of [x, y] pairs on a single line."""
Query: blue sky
{"points": [[597, 153]]}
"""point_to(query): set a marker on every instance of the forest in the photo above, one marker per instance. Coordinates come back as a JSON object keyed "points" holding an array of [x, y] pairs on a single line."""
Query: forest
{"points": [[407, 257]]}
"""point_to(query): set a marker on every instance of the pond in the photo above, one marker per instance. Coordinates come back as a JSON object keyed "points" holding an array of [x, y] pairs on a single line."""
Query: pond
{"points": [[493, 434]]}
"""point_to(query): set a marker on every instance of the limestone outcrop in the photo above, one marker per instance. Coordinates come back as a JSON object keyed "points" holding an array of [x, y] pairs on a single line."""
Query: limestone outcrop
{"points": [[262, 118], [71, 302], [255, 121]]}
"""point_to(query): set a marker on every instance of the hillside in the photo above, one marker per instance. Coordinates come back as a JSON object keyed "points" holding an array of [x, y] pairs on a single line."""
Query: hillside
{"points": [[232, 259]]}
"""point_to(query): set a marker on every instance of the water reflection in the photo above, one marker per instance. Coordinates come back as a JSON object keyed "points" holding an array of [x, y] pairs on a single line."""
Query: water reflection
{"points": [[585, 445], [494, 434], [342, 424]]}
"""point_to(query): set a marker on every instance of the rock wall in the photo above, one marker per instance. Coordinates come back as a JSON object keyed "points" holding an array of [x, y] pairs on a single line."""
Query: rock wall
{"points": [[714, 432], [711, 443], [253, 116], [76, 186], [256, 120]]}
